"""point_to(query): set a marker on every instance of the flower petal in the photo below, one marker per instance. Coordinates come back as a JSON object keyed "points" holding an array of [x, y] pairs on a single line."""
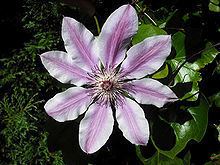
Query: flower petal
{"points": [[147, 56], [63, 68], [69, 104], [79, 43], [149, 91], [115, 35], [96, 127], [132, 122]]}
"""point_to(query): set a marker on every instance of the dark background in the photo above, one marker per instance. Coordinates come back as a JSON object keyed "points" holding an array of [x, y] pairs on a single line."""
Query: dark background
{"points": [[62, 136]]}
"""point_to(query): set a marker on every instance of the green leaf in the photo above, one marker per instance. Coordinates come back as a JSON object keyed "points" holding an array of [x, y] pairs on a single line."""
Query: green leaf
{"points": [[214, 5], [146, 30], [140, 156], [216, 2], [187, 74], [161, 73], [158, 159], [178, 41], [217, 69], [193, 129], [189, 71], [207, 57], [215, 99], [218, 130]]}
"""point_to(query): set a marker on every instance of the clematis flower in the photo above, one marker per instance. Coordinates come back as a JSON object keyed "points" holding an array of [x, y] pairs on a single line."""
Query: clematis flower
{"points": [[106, 75]]}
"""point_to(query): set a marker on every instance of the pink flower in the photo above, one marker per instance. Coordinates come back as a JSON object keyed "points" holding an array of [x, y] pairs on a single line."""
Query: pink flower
{"points": [[111, 77]]}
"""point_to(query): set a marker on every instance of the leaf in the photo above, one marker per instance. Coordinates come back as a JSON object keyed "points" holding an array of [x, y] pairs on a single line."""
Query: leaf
{"points": [[158, 159], [193, 129], [216, 2], [140, 156], [189, 71], [207, 57], [187, 74], [146, 30], [162, 73], [215, 99], [218, 130], [178, 41], [214, 5]]}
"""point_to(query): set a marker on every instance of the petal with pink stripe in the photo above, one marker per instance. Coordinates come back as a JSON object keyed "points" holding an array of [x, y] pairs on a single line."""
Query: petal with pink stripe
{"points": [[149, 91], [147, 56], [115, 35], [79, 43], [63, 68], [96, 127], [69, 104], [132, 122]]}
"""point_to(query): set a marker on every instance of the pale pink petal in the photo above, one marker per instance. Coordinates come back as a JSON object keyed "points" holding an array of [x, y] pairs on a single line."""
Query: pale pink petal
{"points": [[63, 68], [147, 56], [79, 43], [115, 35], [69, 104], [96, 127], [149, 91], [132, 122]]}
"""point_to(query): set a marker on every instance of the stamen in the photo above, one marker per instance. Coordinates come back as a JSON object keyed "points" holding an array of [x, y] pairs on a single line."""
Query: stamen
{"points": [[107, 85]]}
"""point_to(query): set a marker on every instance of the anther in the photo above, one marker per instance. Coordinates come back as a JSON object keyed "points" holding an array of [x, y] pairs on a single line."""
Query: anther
{"points": [[106, 85]]}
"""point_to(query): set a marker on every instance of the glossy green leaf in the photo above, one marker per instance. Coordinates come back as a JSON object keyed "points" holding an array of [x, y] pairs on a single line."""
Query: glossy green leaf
{"points": [[160, 159], [193, 129], [187, 74], [178, 41], [146, 30], [214, 5], [216, 2], [161, 73], [189, 71], [207, 57]]}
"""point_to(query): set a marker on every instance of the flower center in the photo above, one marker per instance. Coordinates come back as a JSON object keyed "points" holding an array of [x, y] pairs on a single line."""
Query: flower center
{"points": [[106, 85]]}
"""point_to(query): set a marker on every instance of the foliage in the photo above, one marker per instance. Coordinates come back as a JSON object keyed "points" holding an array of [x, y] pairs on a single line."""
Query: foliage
{"points": [[214, 5], [182, 71], [24, 142], [23, 137], [191, 129]]}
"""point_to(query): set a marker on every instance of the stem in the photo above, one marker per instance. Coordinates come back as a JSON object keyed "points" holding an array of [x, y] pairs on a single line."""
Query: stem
{"points": [[155, 24], [215, 157], [97, 24], [181, 65], [140, 156]]}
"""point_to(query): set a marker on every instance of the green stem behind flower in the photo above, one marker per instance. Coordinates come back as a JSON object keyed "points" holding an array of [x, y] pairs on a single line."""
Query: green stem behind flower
{"points": [[97, 24]]}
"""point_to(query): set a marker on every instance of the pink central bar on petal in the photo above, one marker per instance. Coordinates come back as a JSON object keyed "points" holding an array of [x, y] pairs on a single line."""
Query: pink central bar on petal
{"points": [[116, 39], [116, 34], [96, 127]]}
